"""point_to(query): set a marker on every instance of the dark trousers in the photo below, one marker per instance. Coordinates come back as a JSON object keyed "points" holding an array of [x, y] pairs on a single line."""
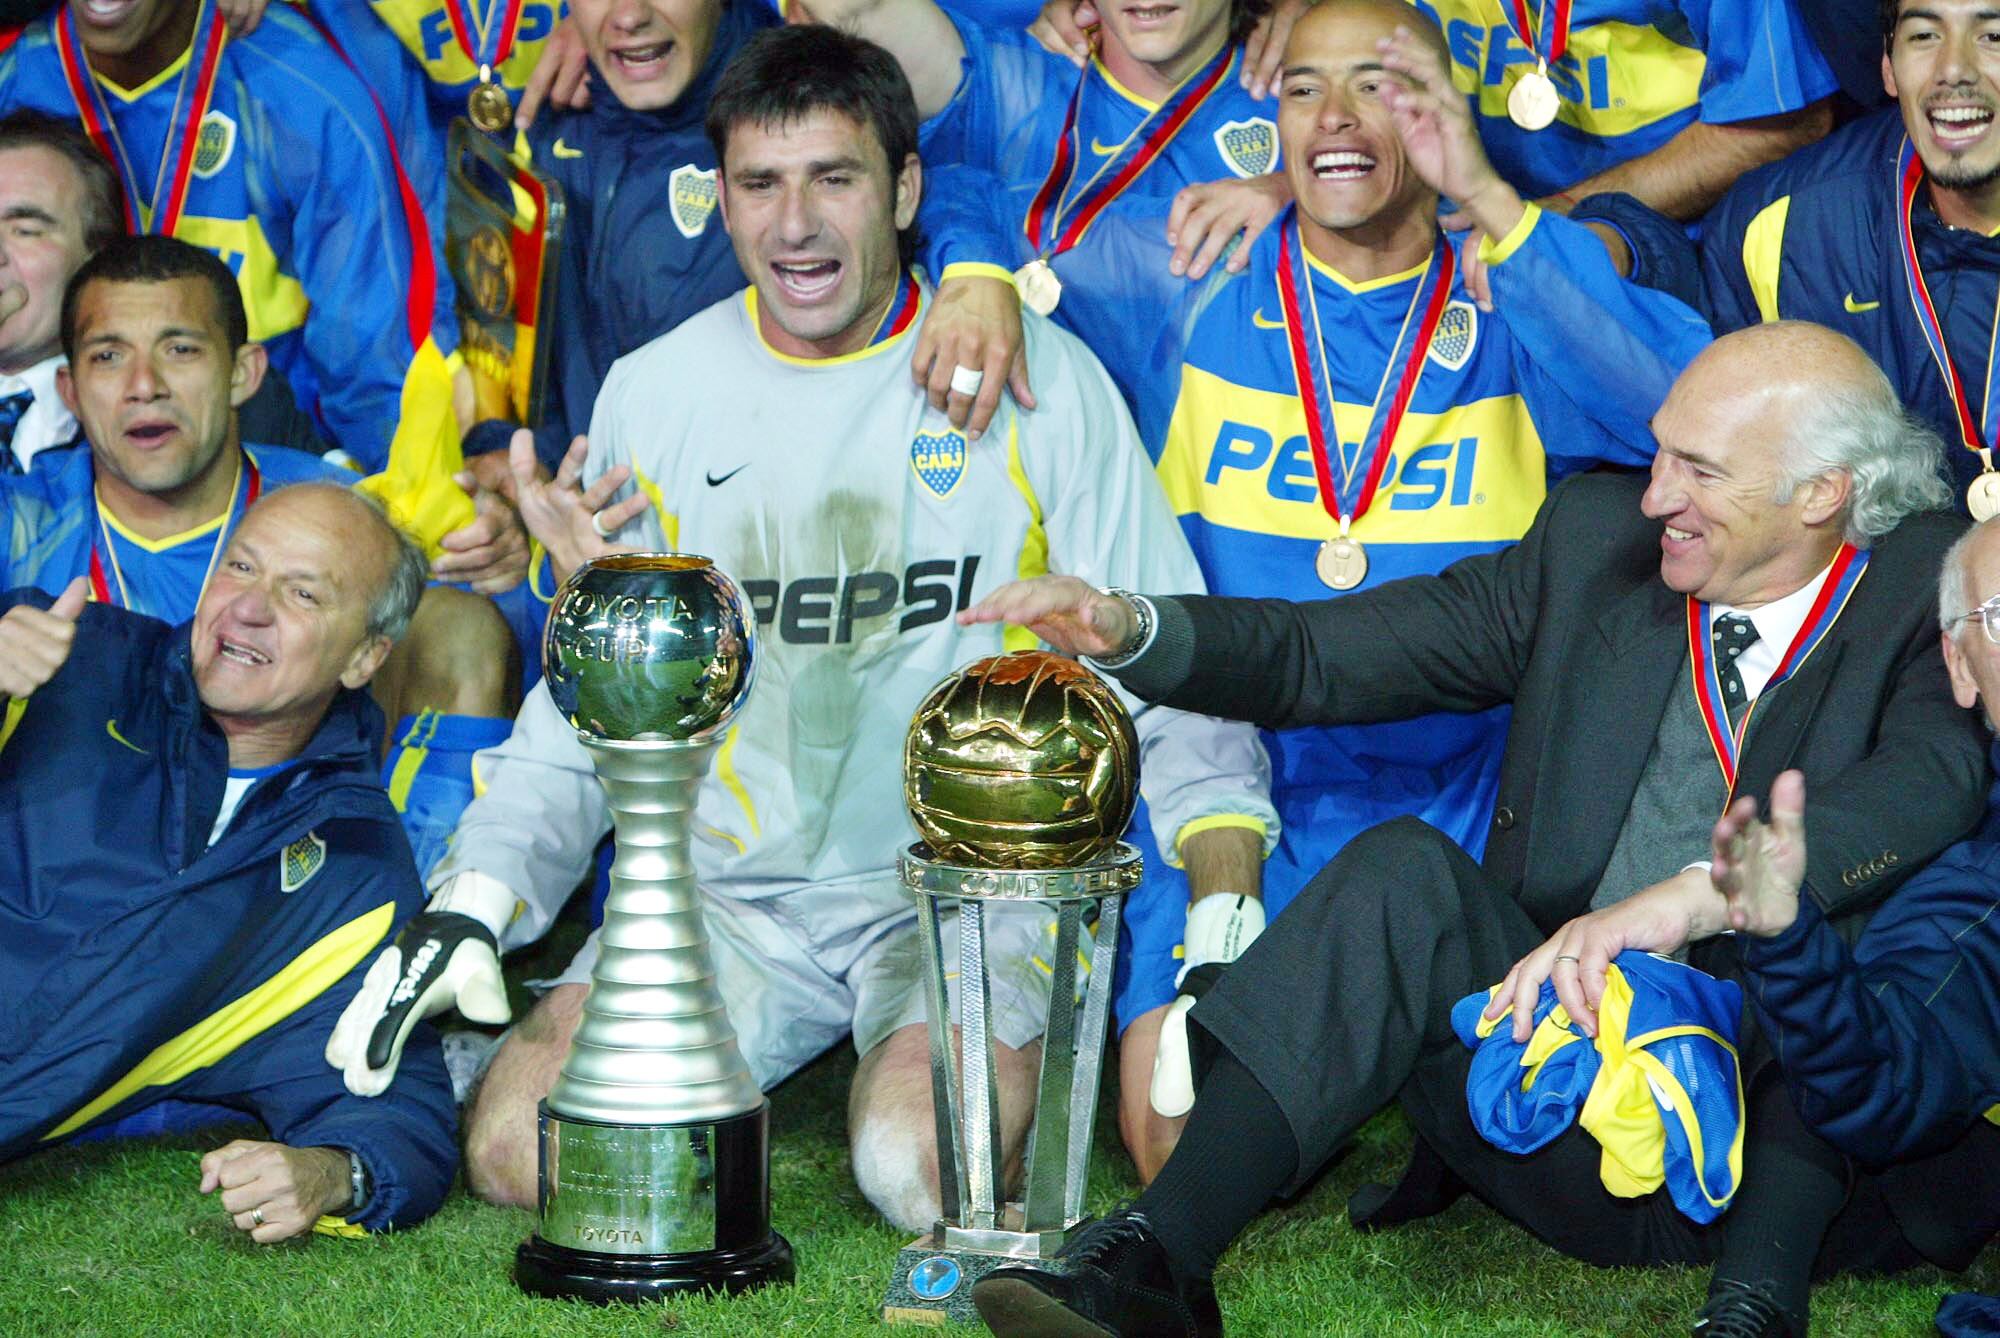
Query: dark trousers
{"points": [[1345, 1005]]}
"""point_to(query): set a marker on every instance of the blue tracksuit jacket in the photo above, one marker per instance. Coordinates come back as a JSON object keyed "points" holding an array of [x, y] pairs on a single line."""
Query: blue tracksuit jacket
{"points": [[138, 963]]}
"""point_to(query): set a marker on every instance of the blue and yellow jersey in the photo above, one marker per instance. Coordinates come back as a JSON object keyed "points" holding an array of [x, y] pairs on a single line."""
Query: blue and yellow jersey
{"points": [[1659, 1087], [1636, 73], [1008, 114], [295, 186], [1815, 236], [54, 525], [380, 35]]}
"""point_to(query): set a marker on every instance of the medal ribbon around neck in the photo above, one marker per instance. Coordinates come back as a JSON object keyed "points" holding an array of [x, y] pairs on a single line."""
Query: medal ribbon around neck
{"points": [[901, 314], [1315, 385], [177, 152], [1558, 33], [1841, 578], [1977, 436], [487, 46], [100, 588], [1046, 230]]}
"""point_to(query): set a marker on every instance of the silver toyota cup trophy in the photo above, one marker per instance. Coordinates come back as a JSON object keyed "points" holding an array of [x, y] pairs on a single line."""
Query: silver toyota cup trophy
{"points": [[1021, 773], [655, 1154]]}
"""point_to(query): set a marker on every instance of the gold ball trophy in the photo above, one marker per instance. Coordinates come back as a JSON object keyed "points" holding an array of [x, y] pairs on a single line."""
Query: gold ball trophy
{"points": [[655, 1140], [1021, 772]]}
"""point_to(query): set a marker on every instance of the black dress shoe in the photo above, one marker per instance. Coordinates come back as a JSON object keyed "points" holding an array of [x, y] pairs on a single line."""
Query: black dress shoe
{"points": [[1115, 1281], [1743, 1310]]}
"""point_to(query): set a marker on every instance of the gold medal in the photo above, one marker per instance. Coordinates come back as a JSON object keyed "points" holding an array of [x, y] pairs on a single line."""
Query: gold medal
{"points": [[488, 106], [1982, 497], [1343, 563], [1039, 287], [1533, 102]]}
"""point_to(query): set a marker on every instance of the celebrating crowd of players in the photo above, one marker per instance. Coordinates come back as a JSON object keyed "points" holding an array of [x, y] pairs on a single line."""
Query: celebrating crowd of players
{"points": [[928, 324]]}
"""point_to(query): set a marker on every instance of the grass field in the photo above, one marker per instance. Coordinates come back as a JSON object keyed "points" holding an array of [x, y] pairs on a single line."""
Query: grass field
{"points": [[112, 1239]]}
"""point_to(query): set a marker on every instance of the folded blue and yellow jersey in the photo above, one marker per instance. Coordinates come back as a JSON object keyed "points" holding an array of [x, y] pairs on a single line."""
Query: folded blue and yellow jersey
{"points": [[1636, 73], [1659, 1089], [1816, 236], [53, 525], [1008, 114], [296, 187]]}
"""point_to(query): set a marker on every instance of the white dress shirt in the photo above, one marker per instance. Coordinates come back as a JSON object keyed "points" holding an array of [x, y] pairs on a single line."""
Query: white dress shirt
{"points": [[46, 423], [1777, 623]]}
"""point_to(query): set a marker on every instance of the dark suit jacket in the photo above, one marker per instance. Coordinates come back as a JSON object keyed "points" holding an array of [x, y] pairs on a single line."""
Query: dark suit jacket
{"points": [[1574, 627]]}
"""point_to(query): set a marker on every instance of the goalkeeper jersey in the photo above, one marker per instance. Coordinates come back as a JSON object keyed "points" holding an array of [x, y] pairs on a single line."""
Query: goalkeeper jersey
{"points": [[294, 183], [857, 521], [1633, 74]]}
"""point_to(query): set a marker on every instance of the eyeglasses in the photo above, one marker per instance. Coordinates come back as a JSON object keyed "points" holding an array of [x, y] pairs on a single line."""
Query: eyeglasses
{"points": [[1988, 615]]}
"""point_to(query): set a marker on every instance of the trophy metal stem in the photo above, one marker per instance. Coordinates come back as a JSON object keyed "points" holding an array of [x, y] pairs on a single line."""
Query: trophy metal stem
{"points": [[655, 1138], [979, 1230]]}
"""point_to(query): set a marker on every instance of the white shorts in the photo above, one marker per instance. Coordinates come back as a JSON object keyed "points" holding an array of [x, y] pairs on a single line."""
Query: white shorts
{"points": [[792, 995]]}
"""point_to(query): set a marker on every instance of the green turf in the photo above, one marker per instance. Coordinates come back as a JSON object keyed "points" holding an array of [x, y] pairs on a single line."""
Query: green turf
{"points": [[112, 1239]]}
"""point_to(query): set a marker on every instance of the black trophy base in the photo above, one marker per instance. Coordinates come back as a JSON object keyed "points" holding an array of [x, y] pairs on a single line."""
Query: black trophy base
{"points": [[560, 1273]]}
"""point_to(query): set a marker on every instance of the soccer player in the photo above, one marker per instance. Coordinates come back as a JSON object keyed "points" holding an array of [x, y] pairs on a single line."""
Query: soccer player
{"points": [[1344, 392], [158, 363], [200, 863], [1886, 232], [778, 432], [269, 151]]}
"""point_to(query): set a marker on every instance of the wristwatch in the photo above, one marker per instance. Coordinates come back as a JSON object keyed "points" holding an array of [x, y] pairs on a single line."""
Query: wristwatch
{"points": [[1142, 626], [359, 1182]]}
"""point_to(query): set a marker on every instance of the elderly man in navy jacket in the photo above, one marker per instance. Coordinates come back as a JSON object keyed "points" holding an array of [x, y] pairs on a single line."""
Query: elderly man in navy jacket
{"points": [[197, 863], [1891, 1049]]}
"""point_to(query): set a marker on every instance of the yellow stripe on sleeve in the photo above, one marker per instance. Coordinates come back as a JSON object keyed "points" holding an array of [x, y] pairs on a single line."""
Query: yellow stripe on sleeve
{"points": [[1034, 560], [11, 719], [240, 1021], [1763, 249]]}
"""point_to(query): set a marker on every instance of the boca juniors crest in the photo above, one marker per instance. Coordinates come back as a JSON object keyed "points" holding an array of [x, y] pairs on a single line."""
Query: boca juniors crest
{"points": [[299, 861], [691, 197], [1457, 332], [938, 459], [213, 144], [1249, 148]]}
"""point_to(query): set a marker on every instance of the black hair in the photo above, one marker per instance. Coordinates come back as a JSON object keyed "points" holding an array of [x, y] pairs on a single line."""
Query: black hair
{"points": [[151, 259], [1245, 15], [103, 201], [784, 75]]}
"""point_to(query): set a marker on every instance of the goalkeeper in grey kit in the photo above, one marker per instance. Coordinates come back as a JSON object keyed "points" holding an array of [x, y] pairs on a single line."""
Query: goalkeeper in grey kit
{"points": [[778, 433]]}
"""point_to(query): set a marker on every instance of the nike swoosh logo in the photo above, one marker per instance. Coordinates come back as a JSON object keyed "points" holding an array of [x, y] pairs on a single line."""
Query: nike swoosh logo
{"points": [[563, 150], [715, 482], [1858, 307], [111, 728], [1102, 149], [1263, 322]]}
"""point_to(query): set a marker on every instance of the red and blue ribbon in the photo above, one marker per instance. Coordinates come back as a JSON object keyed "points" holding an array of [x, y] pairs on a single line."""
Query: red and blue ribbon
{"points": [[1045, 211], [1977, 432], [902, 312], [1834, 592], [1315, 386], [177, 154]]}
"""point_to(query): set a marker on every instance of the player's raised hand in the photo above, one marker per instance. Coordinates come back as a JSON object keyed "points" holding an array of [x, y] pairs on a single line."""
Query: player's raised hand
{"points": [[1264, 48], [1064, 29], [969, 349], [1208, 215], [1070, 614], [561, 76], [34, 642], [1757, 865], [491, 553], [573, 523], [1435, 125]]}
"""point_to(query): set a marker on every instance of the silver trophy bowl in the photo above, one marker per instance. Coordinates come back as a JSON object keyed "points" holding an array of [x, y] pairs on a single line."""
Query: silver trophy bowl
{"points": [[655, 1138]]}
